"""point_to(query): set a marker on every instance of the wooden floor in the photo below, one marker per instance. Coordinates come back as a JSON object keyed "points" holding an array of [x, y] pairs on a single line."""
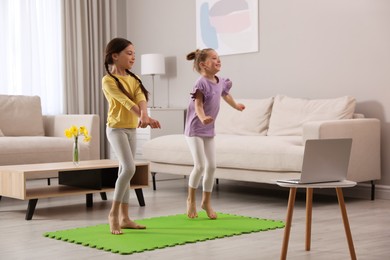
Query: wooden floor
{"points": [[369, 221]]}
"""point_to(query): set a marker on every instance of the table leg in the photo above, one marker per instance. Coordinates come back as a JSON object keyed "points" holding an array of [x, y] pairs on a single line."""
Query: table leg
{"points": [[89, 200], [140, 197], [340, 198], [103, 195], [309, 207], [31, 208], [290, 209]]}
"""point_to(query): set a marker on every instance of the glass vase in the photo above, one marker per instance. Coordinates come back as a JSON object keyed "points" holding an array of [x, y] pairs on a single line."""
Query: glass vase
{"points": [[76, 152]]}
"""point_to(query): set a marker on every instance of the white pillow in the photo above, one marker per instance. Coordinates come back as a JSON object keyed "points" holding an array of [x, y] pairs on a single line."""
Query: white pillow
{"points": [[289, 114], [21, 115], [253, 120]]}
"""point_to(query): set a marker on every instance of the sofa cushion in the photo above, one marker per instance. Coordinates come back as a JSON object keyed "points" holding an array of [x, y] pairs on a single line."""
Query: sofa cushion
{"points": [[21, 115], [252, 121], [266, 153], [289, 114]]}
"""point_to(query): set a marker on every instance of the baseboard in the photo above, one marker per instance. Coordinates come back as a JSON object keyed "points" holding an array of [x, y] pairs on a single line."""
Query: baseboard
{"points": [[363, 191], [383, 192]]}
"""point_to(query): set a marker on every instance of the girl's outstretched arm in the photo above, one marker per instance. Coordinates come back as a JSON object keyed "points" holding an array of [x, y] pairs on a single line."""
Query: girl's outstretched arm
{"points": [[230, 100]]}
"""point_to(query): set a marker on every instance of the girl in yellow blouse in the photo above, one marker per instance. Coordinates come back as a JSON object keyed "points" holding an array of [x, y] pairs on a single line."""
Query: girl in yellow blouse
{"points": [[127, 100]]}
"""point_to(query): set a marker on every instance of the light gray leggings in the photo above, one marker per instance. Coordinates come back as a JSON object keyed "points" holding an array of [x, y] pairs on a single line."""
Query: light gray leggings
{"points": [[203, 154], [123, 141]]}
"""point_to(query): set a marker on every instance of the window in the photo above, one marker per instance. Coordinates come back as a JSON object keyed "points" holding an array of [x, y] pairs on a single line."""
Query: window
{"points": [[31, 51]]}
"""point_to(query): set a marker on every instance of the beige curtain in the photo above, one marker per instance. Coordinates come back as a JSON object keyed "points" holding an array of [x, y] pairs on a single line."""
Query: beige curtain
{"points": [[88, 25]]}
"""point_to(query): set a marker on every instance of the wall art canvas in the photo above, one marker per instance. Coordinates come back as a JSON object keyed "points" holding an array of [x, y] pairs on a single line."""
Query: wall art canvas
{"points": [[228, 26]]}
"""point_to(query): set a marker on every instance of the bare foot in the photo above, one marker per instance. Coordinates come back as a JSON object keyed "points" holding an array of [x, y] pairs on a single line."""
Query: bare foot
{"points": [[114, 225], [191, 209], [129, 224], [210, 212]]}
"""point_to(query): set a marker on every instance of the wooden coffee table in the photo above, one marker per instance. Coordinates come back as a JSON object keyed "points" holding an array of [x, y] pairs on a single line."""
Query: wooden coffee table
{"points": [[89, 177]]}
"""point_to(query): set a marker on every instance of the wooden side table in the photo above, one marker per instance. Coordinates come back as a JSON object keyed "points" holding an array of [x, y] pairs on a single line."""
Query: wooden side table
{"points": [[309, 199]]}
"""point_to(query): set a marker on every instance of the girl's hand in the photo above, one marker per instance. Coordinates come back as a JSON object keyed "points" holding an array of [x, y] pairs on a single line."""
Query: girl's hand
{"points": [[144, 121], [154, 123], [240, 106], [206, 120]]}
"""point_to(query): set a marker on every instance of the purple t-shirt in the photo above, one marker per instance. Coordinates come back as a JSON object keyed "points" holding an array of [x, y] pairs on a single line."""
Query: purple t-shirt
{"points": [[212, 93]]}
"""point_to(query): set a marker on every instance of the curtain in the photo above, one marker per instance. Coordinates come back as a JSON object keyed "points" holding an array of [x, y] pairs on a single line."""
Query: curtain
{"points": [[30, 51], [87, 27]]}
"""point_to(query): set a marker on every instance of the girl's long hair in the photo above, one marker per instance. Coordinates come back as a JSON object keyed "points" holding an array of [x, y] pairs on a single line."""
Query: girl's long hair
{"points": [[117, 45]]}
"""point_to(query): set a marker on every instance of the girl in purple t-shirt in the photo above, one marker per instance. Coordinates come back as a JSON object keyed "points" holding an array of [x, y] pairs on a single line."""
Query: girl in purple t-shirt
{"points": [[199, 130]]}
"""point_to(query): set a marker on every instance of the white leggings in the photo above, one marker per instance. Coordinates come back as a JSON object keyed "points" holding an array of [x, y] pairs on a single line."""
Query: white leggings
{"points": [[203, 154], [123, 141]]}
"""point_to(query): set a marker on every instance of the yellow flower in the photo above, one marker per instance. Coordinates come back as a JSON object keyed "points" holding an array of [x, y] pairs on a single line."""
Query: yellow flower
{"points": [[75, 131], [68, 133], [83, 131], [87, 138]]}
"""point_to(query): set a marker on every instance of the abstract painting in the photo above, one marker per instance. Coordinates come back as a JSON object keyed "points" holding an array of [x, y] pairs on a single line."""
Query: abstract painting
{"points": [[228, 26]]}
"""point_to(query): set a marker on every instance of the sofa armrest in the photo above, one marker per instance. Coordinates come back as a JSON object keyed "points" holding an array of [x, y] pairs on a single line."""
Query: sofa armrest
{"points": [[55, 125], [365, 153]]}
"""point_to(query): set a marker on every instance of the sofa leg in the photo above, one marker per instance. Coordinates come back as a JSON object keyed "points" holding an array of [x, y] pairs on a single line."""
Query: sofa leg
{"points": [[154, 180], [372, 190], [217, 181], [48, 181]]}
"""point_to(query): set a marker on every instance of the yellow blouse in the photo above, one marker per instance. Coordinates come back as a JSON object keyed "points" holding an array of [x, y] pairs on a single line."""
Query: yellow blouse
{"points": [[119, 111]]}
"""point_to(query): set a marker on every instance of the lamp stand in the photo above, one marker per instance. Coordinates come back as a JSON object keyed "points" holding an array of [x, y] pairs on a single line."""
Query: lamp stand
{"points": [[153, 91]]}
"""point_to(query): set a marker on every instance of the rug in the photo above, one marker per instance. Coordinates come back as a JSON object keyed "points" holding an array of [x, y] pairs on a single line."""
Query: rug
{"points": [[166, 231]]}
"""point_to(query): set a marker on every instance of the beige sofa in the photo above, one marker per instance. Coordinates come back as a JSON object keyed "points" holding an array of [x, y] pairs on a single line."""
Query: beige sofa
{"points": [[27, 136], [265, 142]]}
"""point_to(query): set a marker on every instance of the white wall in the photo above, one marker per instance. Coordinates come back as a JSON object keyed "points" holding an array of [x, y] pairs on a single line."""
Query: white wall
{"points": [[308, 48]]}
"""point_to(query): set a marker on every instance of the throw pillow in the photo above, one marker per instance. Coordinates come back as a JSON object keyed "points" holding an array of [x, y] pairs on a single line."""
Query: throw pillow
{"points": [[21, 115], [1, 133], [253, 120], [289, 114]]}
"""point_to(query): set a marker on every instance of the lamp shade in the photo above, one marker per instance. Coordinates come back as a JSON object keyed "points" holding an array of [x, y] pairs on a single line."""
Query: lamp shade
{"points": [[152, 64]]}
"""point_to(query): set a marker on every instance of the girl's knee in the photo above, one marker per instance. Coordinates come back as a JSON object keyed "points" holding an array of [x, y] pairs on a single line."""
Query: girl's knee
{"points": [[211, 169], [127, 172], [129, 169], [199, 168]]}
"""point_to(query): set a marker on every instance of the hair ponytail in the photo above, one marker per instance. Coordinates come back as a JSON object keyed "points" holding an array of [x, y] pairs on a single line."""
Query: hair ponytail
{"points": [[198, 56]]}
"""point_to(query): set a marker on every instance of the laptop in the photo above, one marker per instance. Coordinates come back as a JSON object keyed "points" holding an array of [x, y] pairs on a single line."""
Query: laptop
{"points": [[324, 160]]}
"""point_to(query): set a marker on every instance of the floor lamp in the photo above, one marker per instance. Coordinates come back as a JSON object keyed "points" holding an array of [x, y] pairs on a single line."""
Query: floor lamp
{"points": [[152, 64]]}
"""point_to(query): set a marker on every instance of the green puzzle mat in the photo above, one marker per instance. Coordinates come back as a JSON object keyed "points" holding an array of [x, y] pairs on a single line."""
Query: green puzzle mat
{"points": [[167, 231]]}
